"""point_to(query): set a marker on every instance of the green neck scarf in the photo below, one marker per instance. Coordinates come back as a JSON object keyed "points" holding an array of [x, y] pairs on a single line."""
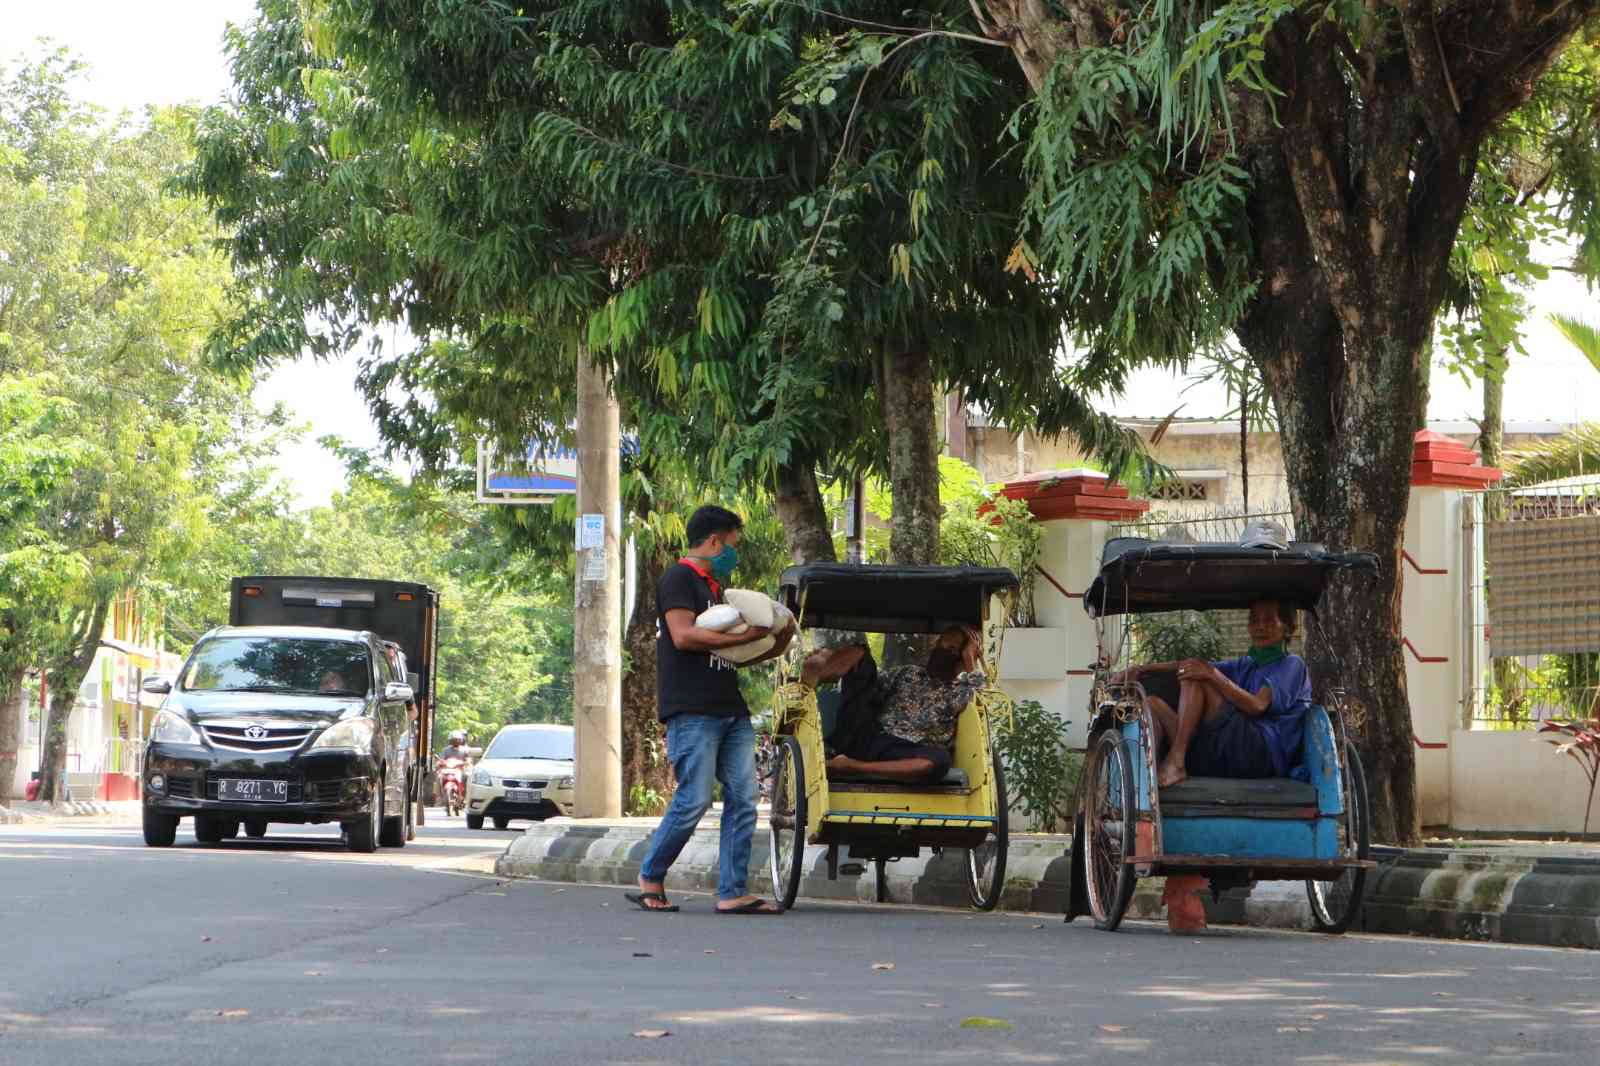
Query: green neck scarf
{"points": [[1268, 655]]}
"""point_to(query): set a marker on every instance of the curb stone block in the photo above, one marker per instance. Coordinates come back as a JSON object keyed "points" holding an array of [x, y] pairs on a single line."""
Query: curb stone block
{"points": [[1471, 894]]}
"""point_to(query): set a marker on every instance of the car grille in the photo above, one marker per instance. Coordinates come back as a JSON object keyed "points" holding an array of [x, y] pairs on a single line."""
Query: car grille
{"points": [[181, 787], [296, 788], [509, 783], [256, 736]]}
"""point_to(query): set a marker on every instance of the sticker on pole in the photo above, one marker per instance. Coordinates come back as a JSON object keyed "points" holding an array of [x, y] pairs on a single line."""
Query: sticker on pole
{"points": [[591, 531]]}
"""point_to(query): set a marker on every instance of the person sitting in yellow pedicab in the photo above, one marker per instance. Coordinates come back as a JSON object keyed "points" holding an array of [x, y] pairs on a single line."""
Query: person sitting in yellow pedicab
{"points": [[898, 724]]}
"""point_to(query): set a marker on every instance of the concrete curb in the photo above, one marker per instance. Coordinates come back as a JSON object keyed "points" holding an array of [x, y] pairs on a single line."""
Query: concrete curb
{"points": [[26, 813], [1463, 894]]}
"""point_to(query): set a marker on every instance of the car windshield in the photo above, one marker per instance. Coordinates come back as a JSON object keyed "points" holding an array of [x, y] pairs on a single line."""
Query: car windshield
{"points": [[279, 664], [532, 744]]}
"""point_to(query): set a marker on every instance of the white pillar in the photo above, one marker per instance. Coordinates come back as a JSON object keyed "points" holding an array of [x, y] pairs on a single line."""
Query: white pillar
{"points": [[1436, 609]]}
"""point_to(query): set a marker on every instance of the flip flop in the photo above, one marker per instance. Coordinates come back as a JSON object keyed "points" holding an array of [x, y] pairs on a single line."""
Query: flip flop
{"points": [[639, 899], [755, 906]]}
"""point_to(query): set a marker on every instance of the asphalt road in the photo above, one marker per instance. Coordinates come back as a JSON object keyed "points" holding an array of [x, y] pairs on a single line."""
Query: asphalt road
{"points": [[292, 950]]}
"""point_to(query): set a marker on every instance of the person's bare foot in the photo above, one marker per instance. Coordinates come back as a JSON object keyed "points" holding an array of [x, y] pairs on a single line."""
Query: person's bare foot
{"points": [[1171, 773], [654, 893]]}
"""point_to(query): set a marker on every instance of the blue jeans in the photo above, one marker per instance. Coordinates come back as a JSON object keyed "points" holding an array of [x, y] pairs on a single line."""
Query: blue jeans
{"points": [[702, 747]]}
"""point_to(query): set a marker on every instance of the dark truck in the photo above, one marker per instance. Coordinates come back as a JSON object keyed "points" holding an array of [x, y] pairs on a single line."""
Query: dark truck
{"points": [[403, 614]]}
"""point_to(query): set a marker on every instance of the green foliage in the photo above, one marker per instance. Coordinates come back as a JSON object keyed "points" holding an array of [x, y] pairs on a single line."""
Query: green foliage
{"points": [[696, 196], [999, 531], [1041, 772], [1175, 635]]}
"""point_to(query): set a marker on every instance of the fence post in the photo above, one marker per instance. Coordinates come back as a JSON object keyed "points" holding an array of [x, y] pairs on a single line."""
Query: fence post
{"points": [[1053, 664], [1435, 619]]}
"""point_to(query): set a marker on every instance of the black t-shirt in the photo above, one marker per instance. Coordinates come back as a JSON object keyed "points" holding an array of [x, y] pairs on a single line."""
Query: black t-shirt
{"points": [[691, 682]]}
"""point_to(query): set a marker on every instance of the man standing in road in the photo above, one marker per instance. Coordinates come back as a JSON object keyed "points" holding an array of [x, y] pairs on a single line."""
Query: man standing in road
{"points": [[709, 735]]}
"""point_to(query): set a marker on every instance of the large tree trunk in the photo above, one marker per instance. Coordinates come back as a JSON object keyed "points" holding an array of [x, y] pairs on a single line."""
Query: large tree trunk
{"points": [[806, 529], [10, 731], [646, 773], [64, 678], [906, 395]]}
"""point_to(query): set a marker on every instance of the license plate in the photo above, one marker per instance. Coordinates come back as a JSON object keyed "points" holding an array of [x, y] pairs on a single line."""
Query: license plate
{"points": [[524, 795], [255, 791]]}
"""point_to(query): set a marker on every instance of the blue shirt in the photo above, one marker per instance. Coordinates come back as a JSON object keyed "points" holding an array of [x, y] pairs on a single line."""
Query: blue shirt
{"points": [[1284, 723]]}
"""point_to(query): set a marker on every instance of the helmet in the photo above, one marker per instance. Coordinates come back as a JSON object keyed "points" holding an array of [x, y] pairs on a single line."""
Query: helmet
{"points": [[458, 737]]}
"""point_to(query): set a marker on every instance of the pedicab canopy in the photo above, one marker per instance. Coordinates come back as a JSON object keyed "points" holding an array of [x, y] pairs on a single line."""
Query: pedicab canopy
{"points": [[891, 599], [1139, 576]]}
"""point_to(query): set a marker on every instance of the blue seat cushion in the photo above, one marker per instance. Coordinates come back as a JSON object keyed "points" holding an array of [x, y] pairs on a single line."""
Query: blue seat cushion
{"points": [[1240, 792]]}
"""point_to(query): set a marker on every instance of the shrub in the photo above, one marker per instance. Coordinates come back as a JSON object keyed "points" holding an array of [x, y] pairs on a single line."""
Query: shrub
{"points": [[1583, 744], [1041, 772], [1162, 638], [1003, 534]]}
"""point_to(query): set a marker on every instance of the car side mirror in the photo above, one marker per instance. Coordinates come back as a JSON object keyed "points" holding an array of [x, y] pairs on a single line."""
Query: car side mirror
{"points": [[397, 692], [156, 685]]}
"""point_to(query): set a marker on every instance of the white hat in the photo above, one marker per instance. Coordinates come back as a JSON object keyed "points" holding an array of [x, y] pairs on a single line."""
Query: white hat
{"points": [[1265, 533]]}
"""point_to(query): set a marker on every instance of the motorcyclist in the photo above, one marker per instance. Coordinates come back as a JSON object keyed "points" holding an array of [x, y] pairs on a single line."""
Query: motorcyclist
{"points": [[456, 749]]}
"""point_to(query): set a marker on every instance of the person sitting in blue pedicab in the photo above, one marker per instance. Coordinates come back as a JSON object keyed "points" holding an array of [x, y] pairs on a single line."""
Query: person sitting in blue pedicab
{"points": [[1241, 717]]}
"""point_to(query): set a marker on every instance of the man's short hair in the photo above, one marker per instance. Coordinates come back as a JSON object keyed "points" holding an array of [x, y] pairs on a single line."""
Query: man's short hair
{"points": [[710, 520]]}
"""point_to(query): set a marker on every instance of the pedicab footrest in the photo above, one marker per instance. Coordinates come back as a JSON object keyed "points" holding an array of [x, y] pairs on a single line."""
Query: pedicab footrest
{"points": [[1233, 792]]}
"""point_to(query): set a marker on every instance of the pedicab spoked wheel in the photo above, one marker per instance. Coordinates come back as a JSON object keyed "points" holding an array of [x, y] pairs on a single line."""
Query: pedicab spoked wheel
{"points": [[788, 821], [986, 863], [1335, 904], [1108, 829]]}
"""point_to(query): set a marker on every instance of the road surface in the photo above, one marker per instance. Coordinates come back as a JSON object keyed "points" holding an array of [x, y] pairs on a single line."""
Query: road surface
{"points": [[293, 950]]}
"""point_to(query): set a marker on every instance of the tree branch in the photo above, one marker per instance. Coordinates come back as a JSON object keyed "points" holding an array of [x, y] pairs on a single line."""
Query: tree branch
{"points": [[1441, 106]]}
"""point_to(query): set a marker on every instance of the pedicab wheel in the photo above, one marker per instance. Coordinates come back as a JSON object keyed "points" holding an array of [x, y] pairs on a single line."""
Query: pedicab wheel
{"points": [[1335, 904], [986, 863], [1108, 830], [788, 821]]}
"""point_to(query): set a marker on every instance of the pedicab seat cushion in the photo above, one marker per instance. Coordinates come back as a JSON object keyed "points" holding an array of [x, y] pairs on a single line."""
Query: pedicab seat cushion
{"points": [[955, 777], [1233, 792]]}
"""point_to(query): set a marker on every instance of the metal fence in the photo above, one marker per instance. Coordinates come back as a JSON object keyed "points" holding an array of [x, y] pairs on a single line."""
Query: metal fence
{"points": [[1534, 626]]}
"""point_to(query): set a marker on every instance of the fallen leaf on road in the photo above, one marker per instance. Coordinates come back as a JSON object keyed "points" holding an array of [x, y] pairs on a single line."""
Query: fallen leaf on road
{"points": [[933, 1004], [1112, 1028], [883, 966], [232, 1013], [1446, 995], [986, 1023], [1294, 1029], [1036, 925], [653, 1034], [708, 951], [382, 951], [558, 890], [313, 973], [792, 996], [1319, 1017], [205, 940], [643, 955], [627, 939]]}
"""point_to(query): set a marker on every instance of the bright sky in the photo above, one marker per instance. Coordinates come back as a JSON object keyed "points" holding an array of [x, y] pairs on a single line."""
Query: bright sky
{"points": [[170, 51]]}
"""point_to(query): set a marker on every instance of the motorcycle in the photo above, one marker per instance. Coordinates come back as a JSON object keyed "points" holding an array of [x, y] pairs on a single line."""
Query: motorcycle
{"points": [[451, 780]]}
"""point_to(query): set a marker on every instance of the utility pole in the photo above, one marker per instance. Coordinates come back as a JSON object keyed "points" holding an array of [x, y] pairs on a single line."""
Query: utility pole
{"points": [[597, 604]]}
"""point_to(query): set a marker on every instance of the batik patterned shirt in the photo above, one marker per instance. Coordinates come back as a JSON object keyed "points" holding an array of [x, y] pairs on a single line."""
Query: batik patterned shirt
{"points": [[919, 708]]}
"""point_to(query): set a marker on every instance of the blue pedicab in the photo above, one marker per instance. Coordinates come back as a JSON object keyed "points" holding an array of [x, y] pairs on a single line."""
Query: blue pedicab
{"points": [[1233, 832]]}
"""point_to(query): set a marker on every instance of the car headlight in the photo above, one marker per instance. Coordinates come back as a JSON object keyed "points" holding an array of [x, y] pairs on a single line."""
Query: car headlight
{"points": [[481, 777], [564, 782], [173, 728], [351, 733]]}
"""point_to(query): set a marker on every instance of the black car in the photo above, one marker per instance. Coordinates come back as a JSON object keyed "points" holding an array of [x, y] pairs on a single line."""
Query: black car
{"points": [[281, 724]]}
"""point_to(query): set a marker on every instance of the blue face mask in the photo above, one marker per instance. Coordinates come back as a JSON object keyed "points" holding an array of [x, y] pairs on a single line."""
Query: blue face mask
{"points": [[721, 565]]}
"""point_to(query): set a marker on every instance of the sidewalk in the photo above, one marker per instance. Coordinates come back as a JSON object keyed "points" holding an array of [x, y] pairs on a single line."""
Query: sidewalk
{"points": [[25, 812], [1545, 894]]}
